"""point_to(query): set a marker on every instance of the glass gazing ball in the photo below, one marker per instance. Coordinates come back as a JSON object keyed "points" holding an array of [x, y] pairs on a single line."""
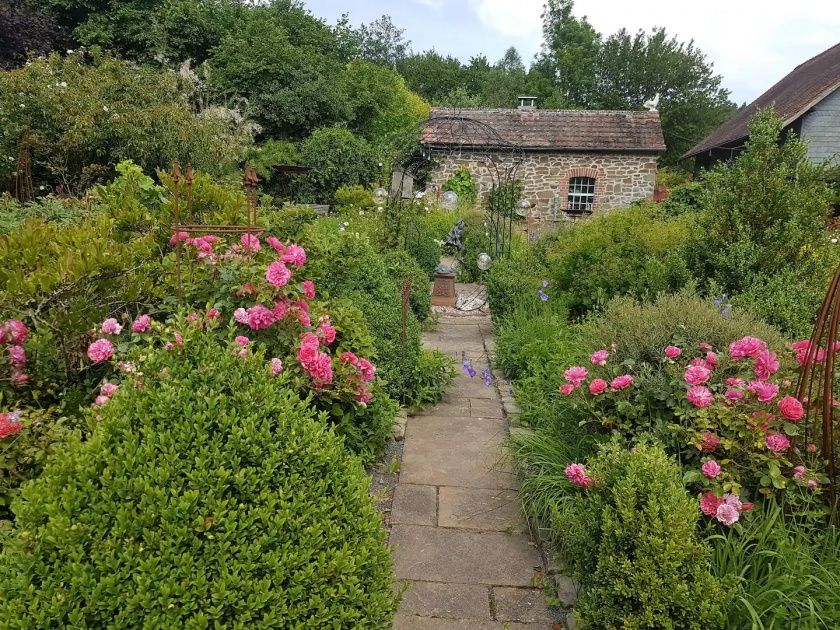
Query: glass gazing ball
{"points": [[523, 206], [484, 261], [380, 195], [449, 199]]}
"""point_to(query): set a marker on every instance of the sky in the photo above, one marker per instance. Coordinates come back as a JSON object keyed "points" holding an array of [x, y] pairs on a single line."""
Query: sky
{"points": [[752, 43]]}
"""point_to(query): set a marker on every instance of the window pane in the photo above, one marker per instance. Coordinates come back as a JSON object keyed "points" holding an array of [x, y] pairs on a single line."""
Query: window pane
{"points": [[581, 194]]}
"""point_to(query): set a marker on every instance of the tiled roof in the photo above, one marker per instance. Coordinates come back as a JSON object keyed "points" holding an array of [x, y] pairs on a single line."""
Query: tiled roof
{"points": [[799, 91], [547, 129]]}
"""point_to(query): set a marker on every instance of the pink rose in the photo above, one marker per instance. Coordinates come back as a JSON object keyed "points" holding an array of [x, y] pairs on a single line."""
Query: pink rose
{"points": [[363, 396], [699, 396], [242, 340], [711, 360], [709, 503], [321, 370], [250, 243], [141, 324], [766, 364], [801, 349], [672, 352], [17, 356], [791, 408], [734, 381], [308, 289], [259, 317], [110, 327], [697, 374], [746, 347], [599, 357], [567, 388], [597, 386], [575, 375], [777, 442], [276, 366], [16, 331], [799, 471], [727, 514], [765, 391], [179, 237], [811, 448], [100, 350], [709, 442], [576, 474], [326, 331], [179, 340], [278, 274], [711, 469], [276, 244], [367, 369], [108, 389], [734, 395], [100, 400], [295, 255], [621, 382], [812, 483]]}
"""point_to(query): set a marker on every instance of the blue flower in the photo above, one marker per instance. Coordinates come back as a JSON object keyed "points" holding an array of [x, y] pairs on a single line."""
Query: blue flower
{"points": [[545, 283], [488, 378], [543, 295], [468, 368]]}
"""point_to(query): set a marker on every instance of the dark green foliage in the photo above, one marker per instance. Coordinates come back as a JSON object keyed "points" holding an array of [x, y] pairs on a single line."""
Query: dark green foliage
{"points": [[266, 522], [649, 569], [763, 211], [423, 249], [516, 281], [13, 214], [432, 376], [683, 199], [26, 30], [337, 158], [463, 185], [288, 221], [631, 252]]}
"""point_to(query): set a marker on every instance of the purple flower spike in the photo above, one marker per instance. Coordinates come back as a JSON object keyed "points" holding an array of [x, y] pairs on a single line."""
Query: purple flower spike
{"points": [[488, 378]]}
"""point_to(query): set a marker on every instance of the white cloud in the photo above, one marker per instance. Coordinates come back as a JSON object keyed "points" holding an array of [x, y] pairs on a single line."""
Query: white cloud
{"points": [[752, 43]]}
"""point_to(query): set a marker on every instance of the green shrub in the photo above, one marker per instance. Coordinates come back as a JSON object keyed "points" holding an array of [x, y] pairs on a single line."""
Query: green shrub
{"points": [[81, 119], [65, 212], [638, 525], [338, 158], [763, 211], [288, 221], [787, 300], [61, 280], [432, 375], [629, 252], [461, 183], [350, 200], [266, 522], [535, 340], [684, 199], [423, 249], [519, 280]]}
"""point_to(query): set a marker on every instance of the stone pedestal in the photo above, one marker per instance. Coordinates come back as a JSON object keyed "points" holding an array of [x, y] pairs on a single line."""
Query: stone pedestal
{"points": [[443, 290]]}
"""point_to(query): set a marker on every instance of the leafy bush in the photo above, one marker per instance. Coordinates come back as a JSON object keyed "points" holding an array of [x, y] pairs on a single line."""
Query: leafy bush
{"points": [[400, 266], [350, 201], [763, 210], [684, 199], [337, 158], [61, 280], [288, 221], [65, 212], [519, 280], [639, 560], [267, 521], [630, 252], [534, 340], [81, 119], [432, 375]]}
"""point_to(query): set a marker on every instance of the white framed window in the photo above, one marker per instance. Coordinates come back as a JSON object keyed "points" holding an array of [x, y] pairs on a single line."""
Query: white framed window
{"points": [[581, 195]]}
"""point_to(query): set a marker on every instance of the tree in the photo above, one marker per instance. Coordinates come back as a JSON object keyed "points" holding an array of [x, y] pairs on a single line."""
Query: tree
{"points": [[337, 158], [382, 41], [431, 75], [26, 30], [569, 52], [511, 62], [634, 68]]}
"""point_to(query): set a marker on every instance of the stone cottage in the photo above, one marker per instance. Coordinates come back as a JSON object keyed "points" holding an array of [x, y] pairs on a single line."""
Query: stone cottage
{"points": [[577, 162], [808, 99]]}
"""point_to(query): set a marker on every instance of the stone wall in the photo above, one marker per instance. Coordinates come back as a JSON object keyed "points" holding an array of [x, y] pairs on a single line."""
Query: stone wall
{"points": [[620, 178]]}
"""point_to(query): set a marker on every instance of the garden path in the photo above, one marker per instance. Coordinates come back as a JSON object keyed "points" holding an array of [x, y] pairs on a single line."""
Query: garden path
{"points": [[460, 543]]}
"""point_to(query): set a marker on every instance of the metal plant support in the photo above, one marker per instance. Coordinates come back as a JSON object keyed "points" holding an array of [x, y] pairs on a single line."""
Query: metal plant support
{"points": [[249, 181], [817, 383]]}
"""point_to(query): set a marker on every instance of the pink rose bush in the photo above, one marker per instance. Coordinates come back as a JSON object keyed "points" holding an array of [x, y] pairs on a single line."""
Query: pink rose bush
{"points": [[13, 334], [735, 428]]}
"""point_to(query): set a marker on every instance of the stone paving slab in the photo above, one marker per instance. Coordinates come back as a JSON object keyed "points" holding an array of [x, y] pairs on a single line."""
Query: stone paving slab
{"points": [[450, 601], [414, 505], [480, 509], [520, 604], [412, 622], [485, 408], [438, 554], [431, 458]]}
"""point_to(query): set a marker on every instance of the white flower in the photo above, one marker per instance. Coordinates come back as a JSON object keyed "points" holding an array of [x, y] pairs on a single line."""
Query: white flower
{"points": [[63, 84], [41, 187], [346, 224], [105, 109], [22, 106], [834, 240], [69, 51]]}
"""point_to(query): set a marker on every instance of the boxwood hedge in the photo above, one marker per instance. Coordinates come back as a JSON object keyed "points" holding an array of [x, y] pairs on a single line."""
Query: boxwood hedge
{"points": [[211, 496]]}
